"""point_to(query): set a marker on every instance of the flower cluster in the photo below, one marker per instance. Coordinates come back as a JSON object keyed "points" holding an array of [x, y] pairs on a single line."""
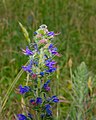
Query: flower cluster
{"points": [[40, 65]]}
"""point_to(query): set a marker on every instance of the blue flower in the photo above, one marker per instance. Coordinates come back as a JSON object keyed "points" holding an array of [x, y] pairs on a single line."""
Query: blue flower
{"points": [[24, 89], [42, 74], [39, 100], [47, 109], [46, 87], [32, 101], [48, 112], [27, 51], [35, 33], [50, 46], [21, 117], [55, 99], [50, 63], [47, 106], [50, 70], [50, 33], [52, 49], [29, 67]]}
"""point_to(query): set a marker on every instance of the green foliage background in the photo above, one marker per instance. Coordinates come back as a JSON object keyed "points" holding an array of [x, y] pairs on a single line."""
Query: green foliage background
{"points": [[75, 19]]}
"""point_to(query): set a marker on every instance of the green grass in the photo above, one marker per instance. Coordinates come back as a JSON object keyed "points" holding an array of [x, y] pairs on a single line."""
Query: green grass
{"points": [[75, 19]]}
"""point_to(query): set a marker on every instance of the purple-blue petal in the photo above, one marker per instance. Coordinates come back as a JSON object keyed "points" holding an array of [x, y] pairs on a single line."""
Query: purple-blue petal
{"points": [[35, 33], [27, 51], [50, 33], [42, 74], [21, 117], [50, 70], [24, 89], [50, 46], [48, 81], [32, 100], [55, 99], [54, 96], [28, 68], [47, 106], [45, 86], [48, 112], [49, 63], [39, 100], [52, 49]]}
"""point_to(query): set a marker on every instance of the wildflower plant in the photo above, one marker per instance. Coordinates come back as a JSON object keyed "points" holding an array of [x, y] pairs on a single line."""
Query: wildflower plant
{"points": [[37, 101]]}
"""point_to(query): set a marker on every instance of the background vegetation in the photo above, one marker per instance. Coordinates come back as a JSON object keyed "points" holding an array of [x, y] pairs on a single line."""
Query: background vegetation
{"points": [[75, 19]]}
